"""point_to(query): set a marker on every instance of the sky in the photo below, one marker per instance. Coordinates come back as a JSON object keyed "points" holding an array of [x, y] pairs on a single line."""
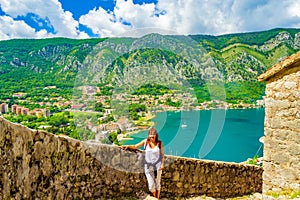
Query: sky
{"points": [[112, 18]]}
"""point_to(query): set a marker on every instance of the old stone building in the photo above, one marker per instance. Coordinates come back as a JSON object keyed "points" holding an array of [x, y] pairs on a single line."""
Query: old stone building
{"points": [[282, 126]]}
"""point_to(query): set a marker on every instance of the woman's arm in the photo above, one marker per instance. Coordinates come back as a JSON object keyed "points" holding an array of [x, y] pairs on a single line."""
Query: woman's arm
{"points": [[138, 145], [162, 152]]}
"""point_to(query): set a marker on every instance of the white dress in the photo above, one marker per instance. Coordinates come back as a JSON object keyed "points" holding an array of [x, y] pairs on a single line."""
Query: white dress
{"points": [[152, 167]]}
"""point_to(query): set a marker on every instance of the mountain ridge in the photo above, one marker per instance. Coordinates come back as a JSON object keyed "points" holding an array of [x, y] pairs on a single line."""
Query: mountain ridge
{"points": [[240, 57]]}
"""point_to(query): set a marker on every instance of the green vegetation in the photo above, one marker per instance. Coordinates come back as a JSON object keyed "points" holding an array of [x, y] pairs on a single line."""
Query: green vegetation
{"points": [[252, 38], [169, 102], [134, 109], [46, 70], [152, 89], [105, 90], [254, 161], [29, 65], [244, 91], [113, 137], [295, 194], [287, 193], [58, 123], [235, 92]]}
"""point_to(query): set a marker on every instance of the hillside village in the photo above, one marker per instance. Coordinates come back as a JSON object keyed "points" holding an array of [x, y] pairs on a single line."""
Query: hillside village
{"points": [[107, 120]]}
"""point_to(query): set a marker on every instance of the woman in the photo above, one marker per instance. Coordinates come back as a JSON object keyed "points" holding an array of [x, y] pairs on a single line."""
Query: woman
{"points": [[154, 160]]}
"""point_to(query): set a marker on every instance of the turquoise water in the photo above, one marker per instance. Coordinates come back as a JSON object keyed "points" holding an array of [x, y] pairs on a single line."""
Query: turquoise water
{"points": [[222, 135]]}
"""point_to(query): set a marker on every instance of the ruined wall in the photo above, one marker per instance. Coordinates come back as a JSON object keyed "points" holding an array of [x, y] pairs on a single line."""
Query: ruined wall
{"points": [[282, 132], [39, 165]]}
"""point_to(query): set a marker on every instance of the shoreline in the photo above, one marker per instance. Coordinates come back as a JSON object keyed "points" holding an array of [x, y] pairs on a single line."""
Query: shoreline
{"points": [[139, 128], [126, 136]]}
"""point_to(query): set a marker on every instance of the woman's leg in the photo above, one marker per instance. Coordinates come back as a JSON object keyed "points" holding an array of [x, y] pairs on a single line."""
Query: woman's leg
{"points": [[158, 194], [154, 194], [157, 183], [151, 181]]}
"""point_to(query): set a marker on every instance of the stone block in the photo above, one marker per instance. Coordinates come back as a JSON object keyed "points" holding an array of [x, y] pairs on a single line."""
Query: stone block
{"points": [[280, 157], [282, 95], [38, 150], [176, 176], [270, 102], [296, 137], [282, 135], [116, 160], [284, 113], [268, 131], [295, 104], [290, 85], [294, 149], [295, 164], [275, 86], [46, 167], [283, 104], [275, 122], [19, 147], [179, 184], [287, 174]]}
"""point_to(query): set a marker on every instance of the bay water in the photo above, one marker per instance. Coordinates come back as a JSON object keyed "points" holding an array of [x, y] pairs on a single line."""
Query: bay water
{"points": [[223, 135]]}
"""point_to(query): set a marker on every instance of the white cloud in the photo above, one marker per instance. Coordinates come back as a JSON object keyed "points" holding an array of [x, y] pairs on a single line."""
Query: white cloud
{"points": [[294, 9], [294, 13], [18, 29], [62, 21], [195, 16], [267, 14], [103, 23], [180, 16], [177, 16], [138, 15], [125, 16]]}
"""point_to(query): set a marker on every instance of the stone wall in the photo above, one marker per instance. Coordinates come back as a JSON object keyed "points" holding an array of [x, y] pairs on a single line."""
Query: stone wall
{"points": [[282, 132], [39, 165]]}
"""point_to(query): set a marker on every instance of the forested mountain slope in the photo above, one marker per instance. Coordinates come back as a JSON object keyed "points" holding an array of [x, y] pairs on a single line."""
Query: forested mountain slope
{"points": [[28, 65]]}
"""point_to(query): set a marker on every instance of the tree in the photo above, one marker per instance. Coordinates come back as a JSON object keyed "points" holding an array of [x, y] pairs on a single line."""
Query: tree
{"points": [[99, 107], [58, 120]]}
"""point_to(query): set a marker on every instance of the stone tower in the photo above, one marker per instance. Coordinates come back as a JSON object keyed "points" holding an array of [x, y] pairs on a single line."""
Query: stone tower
{"points": [[282, 126]]}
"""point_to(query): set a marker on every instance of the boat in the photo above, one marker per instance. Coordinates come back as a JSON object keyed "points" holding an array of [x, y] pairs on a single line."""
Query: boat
{"points": [[183, 126]]}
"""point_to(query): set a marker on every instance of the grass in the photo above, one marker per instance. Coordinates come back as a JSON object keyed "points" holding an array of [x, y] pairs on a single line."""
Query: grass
{"points": [[291, 194], [295, 194]]}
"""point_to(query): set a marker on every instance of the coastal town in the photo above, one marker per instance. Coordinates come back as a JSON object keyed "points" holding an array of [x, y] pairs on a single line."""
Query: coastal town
{"points": [[139, 110]]}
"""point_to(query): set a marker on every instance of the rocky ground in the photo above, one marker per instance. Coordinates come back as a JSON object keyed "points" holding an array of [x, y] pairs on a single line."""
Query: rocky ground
{"points": [[256, 196]]}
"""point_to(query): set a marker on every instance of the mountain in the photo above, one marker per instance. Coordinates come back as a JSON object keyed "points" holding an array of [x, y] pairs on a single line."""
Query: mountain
{"points": [[30, 65]]}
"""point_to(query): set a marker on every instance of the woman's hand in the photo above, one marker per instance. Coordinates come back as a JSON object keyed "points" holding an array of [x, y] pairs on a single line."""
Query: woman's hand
{"points": [[161, 166], [125, 147]]}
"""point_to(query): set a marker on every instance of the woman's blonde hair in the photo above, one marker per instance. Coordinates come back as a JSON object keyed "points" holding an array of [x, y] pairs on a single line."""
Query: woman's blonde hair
{"points": [[153, 131]]}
